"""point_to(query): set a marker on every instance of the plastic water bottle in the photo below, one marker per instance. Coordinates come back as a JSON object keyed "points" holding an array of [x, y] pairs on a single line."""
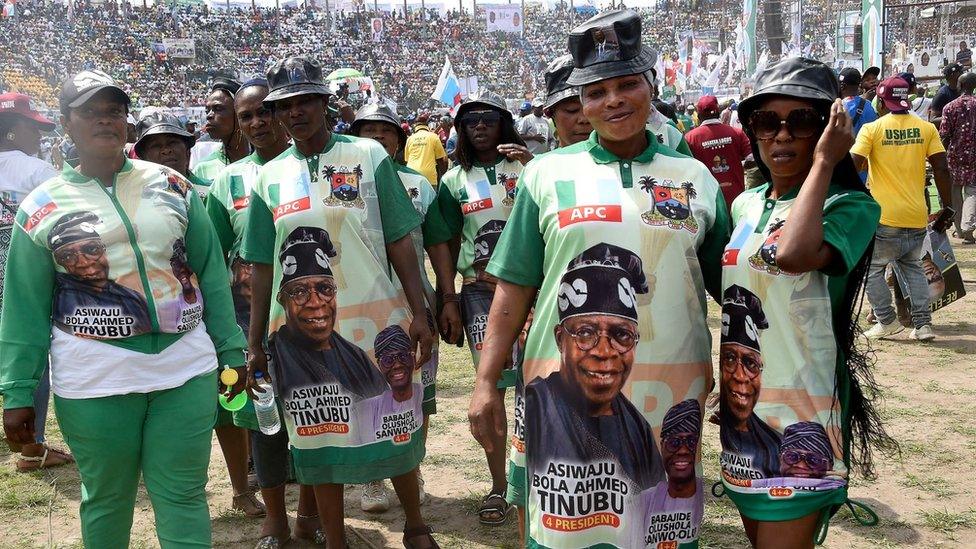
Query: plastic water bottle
{"points": [[265, 408]]}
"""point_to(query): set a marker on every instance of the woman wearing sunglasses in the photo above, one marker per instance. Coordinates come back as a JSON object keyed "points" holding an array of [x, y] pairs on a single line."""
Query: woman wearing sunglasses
{"points": [[799, 242], [110, 266], [475, 199], [630, 232]]}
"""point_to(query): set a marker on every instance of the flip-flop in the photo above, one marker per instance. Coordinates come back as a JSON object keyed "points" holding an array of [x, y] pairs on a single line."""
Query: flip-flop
{"points": [[52, 457], [487, 508]]}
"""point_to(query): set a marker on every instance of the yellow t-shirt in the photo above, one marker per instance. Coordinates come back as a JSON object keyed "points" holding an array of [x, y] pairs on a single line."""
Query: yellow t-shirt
{"points": [[896, 146], [423, 150]]}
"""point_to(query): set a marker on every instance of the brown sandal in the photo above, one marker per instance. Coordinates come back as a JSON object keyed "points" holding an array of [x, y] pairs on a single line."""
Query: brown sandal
{"points": [[52, 457], [420, 531]]}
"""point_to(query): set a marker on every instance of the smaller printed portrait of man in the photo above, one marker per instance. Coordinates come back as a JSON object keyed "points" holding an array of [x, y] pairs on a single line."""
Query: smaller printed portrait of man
{"points": [[181, 270], [805, 451], [396, 361]]}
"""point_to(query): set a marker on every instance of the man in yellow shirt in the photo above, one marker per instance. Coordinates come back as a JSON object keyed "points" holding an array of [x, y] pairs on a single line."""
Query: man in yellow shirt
{"points": [[425, 153], [894, 150]]}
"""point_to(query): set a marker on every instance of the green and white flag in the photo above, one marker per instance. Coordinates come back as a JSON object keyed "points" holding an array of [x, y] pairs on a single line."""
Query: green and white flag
{"points": [[871, 36], [749, 13]]}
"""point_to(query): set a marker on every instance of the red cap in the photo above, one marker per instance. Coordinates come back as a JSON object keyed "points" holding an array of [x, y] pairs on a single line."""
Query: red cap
{"points": [[18, 103], [708, 104], [894, 92]]}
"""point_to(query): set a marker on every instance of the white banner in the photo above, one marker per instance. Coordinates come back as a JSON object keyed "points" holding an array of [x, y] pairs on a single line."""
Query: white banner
{"points": [[376, 29], [504, 18], [179, 48]]}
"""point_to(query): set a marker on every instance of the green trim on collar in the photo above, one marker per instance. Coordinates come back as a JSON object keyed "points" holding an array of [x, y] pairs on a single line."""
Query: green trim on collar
{"points": [[788, 196], [72, 175], [603, 156], [333, 139]]}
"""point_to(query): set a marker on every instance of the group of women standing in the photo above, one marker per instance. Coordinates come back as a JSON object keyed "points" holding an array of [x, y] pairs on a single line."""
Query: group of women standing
{"points": [[585, 276]]}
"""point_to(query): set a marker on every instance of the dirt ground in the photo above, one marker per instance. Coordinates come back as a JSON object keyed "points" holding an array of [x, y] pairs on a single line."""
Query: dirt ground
{"points": [[925, 497]]}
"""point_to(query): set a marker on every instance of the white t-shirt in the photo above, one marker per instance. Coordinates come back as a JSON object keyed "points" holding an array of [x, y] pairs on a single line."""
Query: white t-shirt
{"points": [[20, 173], [86, 368], [531, 124]]}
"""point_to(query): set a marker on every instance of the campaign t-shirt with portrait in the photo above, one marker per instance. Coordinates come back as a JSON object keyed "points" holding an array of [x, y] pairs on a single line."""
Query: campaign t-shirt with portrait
{"points": [[209, 168], [330, 215], [784, 444], [97, 277], [471, 199], [722, 149], [583, 206], [896, 147]]}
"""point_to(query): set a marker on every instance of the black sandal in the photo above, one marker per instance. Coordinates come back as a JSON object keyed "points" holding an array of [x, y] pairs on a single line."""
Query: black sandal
{"points": [[499, 507], [420, 531]]}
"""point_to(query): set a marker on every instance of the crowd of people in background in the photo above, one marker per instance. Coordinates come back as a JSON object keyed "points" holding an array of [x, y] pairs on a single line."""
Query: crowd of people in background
{"points": [[46, 43], [287, 241]]}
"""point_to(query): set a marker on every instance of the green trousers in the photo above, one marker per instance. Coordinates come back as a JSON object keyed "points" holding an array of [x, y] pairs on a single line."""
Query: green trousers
{"points": [[165, 435]]}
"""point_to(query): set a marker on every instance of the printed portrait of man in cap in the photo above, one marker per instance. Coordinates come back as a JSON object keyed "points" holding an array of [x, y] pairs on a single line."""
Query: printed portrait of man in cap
{"points": [[580, 409], [741, 364], [308, 290], [309, 354], [673, 509], [485, 241], [86, 301]]}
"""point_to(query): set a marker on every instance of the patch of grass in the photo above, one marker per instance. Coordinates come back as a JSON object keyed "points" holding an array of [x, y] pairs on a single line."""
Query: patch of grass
{"points": [[946, 521], [23, 491], [964, 430], [936, 486]]}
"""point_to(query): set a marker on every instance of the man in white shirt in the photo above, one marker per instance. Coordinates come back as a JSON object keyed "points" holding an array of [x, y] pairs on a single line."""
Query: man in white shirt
{"points": [[535, 130]]}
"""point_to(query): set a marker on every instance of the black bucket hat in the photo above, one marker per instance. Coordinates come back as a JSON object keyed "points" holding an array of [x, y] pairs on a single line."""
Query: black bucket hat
{"points": [[156, 123], [295, 76], [556, 75], [799, 78], [487, 100], [228, 85], [608, 45], [374, 112]]}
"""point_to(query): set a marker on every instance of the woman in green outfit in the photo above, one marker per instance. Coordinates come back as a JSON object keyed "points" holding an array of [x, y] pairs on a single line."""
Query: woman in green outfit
{"points": [[616, 239], [475, 198], [133, 350], [792, 405], [227, 205], [327, 218], [222, 126]]}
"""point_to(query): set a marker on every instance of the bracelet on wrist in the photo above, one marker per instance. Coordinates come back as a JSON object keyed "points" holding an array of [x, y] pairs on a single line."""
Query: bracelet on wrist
{"points": [[450, 298]]}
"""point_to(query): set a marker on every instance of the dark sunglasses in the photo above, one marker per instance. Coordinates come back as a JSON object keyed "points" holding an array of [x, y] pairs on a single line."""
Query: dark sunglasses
{"points": [[402, 357], [489, 118], [800, 124], [792, 457], [672, 443]]}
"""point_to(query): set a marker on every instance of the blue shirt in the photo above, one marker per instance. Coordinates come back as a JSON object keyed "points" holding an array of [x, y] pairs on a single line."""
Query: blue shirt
{"points": [[868, 114]]}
